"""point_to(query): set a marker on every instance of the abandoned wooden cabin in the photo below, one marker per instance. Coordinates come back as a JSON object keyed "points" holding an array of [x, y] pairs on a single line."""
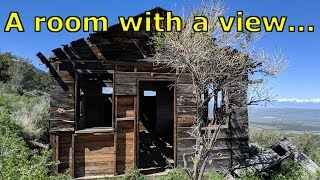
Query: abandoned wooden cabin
{"points": [[113, 109]]}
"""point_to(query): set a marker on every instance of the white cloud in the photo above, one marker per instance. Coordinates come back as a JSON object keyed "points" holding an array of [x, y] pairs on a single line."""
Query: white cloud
{"points": [[294, 100]]}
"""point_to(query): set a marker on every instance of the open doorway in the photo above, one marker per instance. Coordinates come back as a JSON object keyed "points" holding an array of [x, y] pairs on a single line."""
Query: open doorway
{"points": [[155, 126]]}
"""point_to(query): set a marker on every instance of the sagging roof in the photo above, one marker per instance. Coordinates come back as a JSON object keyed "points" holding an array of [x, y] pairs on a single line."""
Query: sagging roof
{"points": [[114, 44]]}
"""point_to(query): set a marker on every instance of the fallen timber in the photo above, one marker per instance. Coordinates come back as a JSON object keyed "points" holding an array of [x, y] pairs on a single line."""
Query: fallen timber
{"points": [[272, 156]]}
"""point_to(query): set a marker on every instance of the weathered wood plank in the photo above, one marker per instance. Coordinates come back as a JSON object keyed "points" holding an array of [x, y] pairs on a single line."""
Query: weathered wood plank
{"points": [[82, 49], [94, 155], [297, 156], [185, 90], [188, 111], [54, 145], [60, 53], [120, 78], [125, 146], [125, 77], [125, 106], [60, 98], [184, 79], [125, 89], [65, 147], [259, 162], [186, 121], [66, 77], [96, 51], [58, 125], [63, 113], [53, 72], [184, 132], [187, 100], [214, 163], [67, 49]]}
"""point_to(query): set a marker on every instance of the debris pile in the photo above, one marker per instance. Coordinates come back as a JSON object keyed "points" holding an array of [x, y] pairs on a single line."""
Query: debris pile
{"points": [[273, 156]]}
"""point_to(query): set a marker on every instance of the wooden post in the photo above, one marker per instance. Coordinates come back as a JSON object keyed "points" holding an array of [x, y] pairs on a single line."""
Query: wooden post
{"points": [[115, 134], [72, 157], [114, 124], [77, 101], [57, 151], [54, 143], [135, 124]]}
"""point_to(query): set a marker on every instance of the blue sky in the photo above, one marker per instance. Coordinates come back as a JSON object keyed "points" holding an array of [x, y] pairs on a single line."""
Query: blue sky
{"points": [[301, 80]]}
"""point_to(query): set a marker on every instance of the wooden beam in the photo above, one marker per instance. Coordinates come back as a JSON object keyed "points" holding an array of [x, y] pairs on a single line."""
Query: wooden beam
{"points": [[95, 50], [83, 50], [70, 53], [107, 61], [60, 53], [143, 53], [89, 71], [53, 72]]}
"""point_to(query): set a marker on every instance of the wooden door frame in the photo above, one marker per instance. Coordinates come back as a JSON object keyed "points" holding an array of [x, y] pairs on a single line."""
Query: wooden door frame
{"points": [[136, 123]]}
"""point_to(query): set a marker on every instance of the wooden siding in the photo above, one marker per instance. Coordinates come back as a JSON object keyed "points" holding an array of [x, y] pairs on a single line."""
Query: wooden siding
{"points": [[114, 153], [62, 105], [186, 117], [125, 146], [125, 114], [238, 126], [125, 107], [231, 146], [64, 153], [94, 155]]}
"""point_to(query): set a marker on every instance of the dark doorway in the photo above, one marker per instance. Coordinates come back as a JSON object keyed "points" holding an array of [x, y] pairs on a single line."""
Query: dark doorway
{"points": [[155, 126]]}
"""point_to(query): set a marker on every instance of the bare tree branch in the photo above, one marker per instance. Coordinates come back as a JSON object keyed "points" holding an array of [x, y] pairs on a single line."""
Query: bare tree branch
{"points": [[215, 65]]}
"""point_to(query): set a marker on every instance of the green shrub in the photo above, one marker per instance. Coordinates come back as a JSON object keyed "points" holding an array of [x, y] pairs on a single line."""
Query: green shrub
{"points": [[264, 138], [177, 173], [133, 174], [28, 111], [17, 161], [7, 125], [291, 170], [310, 145], [251, 177], [61, 176], [216, 176], [24, 107]]}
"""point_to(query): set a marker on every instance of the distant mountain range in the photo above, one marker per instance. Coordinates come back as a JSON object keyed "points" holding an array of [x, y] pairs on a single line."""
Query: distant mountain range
{"points": [[293, 103], [290, 116], [293, 100], [296, 103]]}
